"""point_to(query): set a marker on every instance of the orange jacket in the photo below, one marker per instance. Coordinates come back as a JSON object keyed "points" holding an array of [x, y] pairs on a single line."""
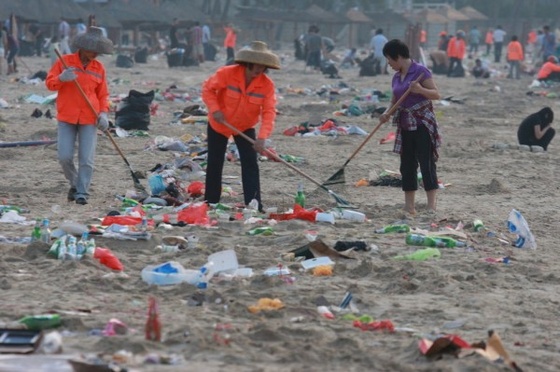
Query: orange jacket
{"points": [[456, 48], [489, 38], [546, 69], [532, 37], [515, 51], [70, 105], [423, 36], [231, 37], [242, 106]]}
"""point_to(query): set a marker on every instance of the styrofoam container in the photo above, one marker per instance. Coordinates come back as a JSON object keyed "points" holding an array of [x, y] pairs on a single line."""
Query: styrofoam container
{"points": [[182, 275], [317, 261], [224, 261], [353, 215], [325, 217]]}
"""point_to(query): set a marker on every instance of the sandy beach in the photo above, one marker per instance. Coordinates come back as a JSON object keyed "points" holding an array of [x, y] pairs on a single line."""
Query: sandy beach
{"points": [[459, 293]]}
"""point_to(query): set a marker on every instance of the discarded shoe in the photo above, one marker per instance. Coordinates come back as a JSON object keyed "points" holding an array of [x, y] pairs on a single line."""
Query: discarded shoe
{"points": [[72, 194], [81, 201]]}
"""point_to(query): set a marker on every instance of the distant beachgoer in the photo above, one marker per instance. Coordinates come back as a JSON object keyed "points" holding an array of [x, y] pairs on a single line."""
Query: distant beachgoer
{"points": [[313, 47], [440, 62], [474, 41], [173, 36], [498, 39], [12, 49], [489, 40], [548, 43], [480, 69], [536, 129], [349, 59], [443, 41], [456, 52], [550, 70], [229, 43], [514, 57], [377, 43], [64, 36]]}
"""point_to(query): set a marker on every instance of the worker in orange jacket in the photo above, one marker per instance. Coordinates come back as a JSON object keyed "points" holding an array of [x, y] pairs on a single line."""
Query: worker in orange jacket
{"points": [[550, 70], [240, 95], [489, 40], [229, 43], [456, 52], [76, 119], [514, 57]]}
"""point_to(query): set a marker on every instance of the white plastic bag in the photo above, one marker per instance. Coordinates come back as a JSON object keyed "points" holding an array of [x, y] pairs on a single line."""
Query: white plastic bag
{"points": [[517, 224]]}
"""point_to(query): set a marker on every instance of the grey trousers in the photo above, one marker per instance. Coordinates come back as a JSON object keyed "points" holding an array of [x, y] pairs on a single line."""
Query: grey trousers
{"points": [[87, 141]]}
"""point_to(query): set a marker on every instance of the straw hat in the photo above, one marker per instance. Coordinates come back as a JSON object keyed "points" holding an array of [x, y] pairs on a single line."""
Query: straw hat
{"points": [[258, 53], [93, 41]]}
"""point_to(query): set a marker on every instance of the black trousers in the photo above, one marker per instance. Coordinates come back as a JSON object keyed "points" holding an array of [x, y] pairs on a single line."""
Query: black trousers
{"points": [[230, 56], [543, 142], [250, 176], [417, 149]]}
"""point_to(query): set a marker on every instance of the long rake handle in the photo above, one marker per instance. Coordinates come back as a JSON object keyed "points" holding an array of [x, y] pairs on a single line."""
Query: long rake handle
{"points": [[276, 157], [90, 105], [389, 112]]}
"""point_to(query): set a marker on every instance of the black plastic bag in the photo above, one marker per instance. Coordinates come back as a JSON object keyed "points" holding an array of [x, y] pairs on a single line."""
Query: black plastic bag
{"points": [[134, 111]]}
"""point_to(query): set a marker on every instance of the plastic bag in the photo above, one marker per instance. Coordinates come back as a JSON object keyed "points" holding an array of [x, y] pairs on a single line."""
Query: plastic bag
{"points": [[134, 111], [196, 214], [107, 258], [517, 224]]}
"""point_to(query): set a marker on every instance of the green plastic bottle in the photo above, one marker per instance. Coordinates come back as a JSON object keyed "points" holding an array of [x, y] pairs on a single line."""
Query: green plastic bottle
{"points": [[403, 228], [420, 255], [36, 233], [433, 241], [39, 322], [478, 225], [261, 231], [300, 196]]}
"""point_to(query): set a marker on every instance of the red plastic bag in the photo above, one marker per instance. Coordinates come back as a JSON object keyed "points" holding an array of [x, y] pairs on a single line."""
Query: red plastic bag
{"points": [[121, 220], [107, 258], [375, 326], [305, 214], [196, 189], [196, 214]]}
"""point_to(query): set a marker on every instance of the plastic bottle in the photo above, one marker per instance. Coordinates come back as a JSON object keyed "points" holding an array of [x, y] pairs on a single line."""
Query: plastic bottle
{"points": [[261, 231], [6, 208], [300, 196], [46, 231], [478, 225], [39, 322], [72, 248], [36, 233], [403, 228], [433, 241], [90, 247], [82, 245], [127, 202], [153, 324], [420, 255], [62, 249]]}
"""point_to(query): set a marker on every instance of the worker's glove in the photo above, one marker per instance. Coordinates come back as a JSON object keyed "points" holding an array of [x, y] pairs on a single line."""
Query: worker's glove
{"points": [[67, 75], [102, 122]]}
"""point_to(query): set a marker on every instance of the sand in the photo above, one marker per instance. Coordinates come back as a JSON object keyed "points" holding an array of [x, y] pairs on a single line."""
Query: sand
{"points": [[459, 293]]}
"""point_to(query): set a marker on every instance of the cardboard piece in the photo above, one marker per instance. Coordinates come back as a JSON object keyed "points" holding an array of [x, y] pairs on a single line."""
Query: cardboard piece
{"points": [[19, 341], [451, 344]]}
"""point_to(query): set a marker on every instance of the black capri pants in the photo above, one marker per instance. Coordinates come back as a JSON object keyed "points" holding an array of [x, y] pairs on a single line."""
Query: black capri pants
{"points": [[417, 149]]}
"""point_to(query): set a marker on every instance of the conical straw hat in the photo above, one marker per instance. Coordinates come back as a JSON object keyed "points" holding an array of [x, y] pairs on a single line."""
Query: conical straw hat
{"points": [[94, 41], [258, 53]]}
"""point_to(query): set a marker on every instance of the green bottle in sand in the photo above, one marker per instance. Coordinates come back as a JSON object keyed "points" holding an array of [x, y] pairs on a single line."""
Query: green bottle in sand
{"points": [[300, 196], [420, 255], [39, 322], [433, 241], [402, 228]]}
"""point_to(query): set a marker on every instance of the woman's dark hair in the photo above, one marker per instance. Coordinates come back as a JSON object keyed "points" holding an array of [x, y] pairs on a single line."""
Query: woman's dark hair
{"points": [[514, 38], [395, 48], [547, 115]]}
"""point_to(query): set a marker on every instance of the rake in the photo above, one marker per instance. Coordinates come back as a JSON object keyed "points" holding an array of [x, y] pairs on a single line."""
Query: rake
{"points": [[338, 177], [339, 201], [137, 185]]}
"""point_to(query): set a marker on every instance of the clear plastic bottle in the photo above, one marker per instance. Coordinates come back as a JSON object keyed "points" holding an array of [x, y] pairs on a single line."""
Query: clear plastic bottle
{"points": [[82, 244], [62, 249], [72, 248], [46, 231], [433, 241], [90, 247]]}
